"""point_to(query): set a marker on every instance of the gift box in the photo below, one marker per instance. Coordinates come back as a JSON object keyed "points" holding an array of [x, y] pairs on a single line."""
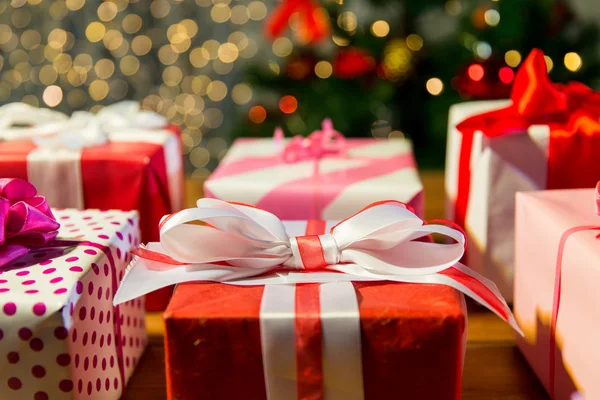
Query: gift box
{"points": [[60, 335], [307, 178], [120, 158], [409, 333], [546, 137], [557, 265], [310, 309]]}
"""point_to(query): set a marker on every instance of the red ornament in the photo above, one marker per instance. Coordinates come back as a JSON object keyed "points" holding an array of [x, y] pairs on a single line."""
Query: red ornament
{"points": [[352, 63], [313, 20]]}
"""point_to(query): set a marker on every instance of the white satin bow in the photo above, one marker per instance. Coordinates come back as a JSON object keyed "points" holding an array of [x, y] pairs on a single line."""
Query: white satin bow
{"points": [[244, 245], [52, 129], [376, 242]]}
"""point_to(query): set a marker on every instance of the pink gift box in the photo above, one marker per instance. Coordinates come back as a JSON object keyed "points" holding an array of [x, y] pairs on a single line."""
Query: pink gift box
{"points": [[330, 188], [60, 336], [556, 303]]}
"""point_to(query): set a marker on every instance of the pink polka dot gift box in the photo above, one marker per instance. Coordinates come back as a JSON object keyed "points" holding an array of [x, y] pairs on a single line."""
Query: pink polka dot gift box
{"points": [[60, 335]]}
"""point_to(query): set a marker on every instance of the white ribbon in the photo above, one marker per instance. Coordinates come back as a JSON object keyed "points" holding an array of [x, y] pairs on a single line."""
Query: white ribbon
{"points": [[342, 354]]}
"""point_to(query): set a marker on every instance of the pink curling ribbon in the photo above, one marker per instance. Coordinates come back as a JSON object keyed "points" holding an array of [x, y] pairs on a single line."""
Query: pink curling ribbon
{"points": [[557, 288], [25, 220], [326, 142]]}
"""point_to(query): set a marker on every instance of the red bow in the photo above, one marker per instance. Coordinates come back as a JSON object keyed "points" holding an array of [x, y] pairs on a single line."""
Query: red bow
{"points": [[571, 111], [313, 20]]}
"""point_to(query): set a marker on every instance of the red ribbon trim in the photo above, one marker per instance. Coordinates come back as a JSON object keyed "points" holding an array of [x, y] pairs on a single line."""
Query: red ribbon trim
{"points": [[556, 300], [309, 331], [311, 252]]}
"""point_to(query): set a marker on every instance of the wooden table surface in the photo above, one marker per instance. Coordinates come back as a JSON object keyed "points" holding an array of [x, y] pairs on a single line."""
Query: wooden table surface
{"points": [[494, 368]]}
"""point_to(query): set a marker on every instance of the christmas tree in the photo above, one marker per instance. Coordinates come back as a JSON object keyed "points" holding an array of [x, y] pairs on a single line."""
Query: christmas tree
{"points": [[390, 68]]}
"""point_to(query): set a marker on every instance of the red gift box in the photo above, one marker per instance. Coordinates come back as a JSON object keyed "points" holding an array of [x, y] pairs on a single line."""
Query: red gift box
{"points": [[307, 316], [412, 339], [144, 175]]}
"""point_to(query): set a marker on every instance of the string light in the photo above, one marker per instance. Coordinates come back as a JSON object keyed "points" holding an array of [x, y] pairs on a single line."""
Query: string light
{"points": [[288, 104], [573, 62], [323, 69], [347, 21], [434, 86], [414, 42], [52, 96], [241, 93], [282, 47], [549, 63], [257, 114], [476, 72], [492, 17], [482, 50], [380, 28], [512, 58], [506, 75]]}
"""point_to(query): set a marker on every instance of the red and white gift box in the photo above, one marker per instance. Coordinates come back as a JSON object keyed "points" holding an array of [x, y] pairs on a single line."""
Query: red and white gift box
{"points": [[320, 314], [60, 335], [546, 137]]}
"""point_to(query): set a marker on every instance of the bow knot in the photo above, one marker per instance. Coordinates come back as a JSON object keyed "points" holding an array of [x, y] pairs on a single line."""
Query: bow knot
{"points": [[313, 252], [318, 144]]}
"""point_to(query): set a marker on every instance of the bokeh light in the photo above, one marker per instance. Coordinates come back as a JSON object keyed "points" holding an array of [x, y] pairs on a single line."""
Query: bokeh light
{"points": [[380, 28], [475, 72], [434, 86], [506, 75], [573, 62], [288, 104], [257, 114]]}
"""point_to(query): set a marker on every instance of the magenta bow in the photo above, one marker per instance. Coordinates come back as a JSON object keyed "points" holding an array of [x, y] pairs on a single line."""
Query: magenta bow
{"points": [[25, 220], [317, 145]]}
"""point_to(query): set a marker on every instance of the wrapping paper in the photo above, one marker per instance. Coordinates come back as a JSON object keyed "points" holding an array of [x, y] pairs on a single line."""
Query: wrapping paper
{"points": [[330, 188], [412, 340], [570, 294], [60, 336], [500, 167], [148, 164]]}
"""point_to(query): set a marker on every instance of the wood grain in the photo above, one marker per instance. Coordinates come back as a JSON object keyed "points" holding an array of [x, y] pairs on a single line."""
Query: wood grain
{"points": [[494, 368]]}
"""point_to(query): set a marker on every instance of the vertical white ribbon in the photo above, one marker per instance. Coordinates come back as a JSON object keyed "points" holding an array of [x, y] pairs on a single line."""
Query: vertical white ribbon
{"points": [[342, 351], [57, 174], [278, 341]]}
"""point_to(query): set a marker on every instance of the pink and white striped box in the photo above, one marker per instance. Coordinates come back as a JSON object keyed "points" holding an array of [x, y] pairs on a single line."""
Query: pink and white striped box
{"points": [[60, 336], [332, 187]]}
